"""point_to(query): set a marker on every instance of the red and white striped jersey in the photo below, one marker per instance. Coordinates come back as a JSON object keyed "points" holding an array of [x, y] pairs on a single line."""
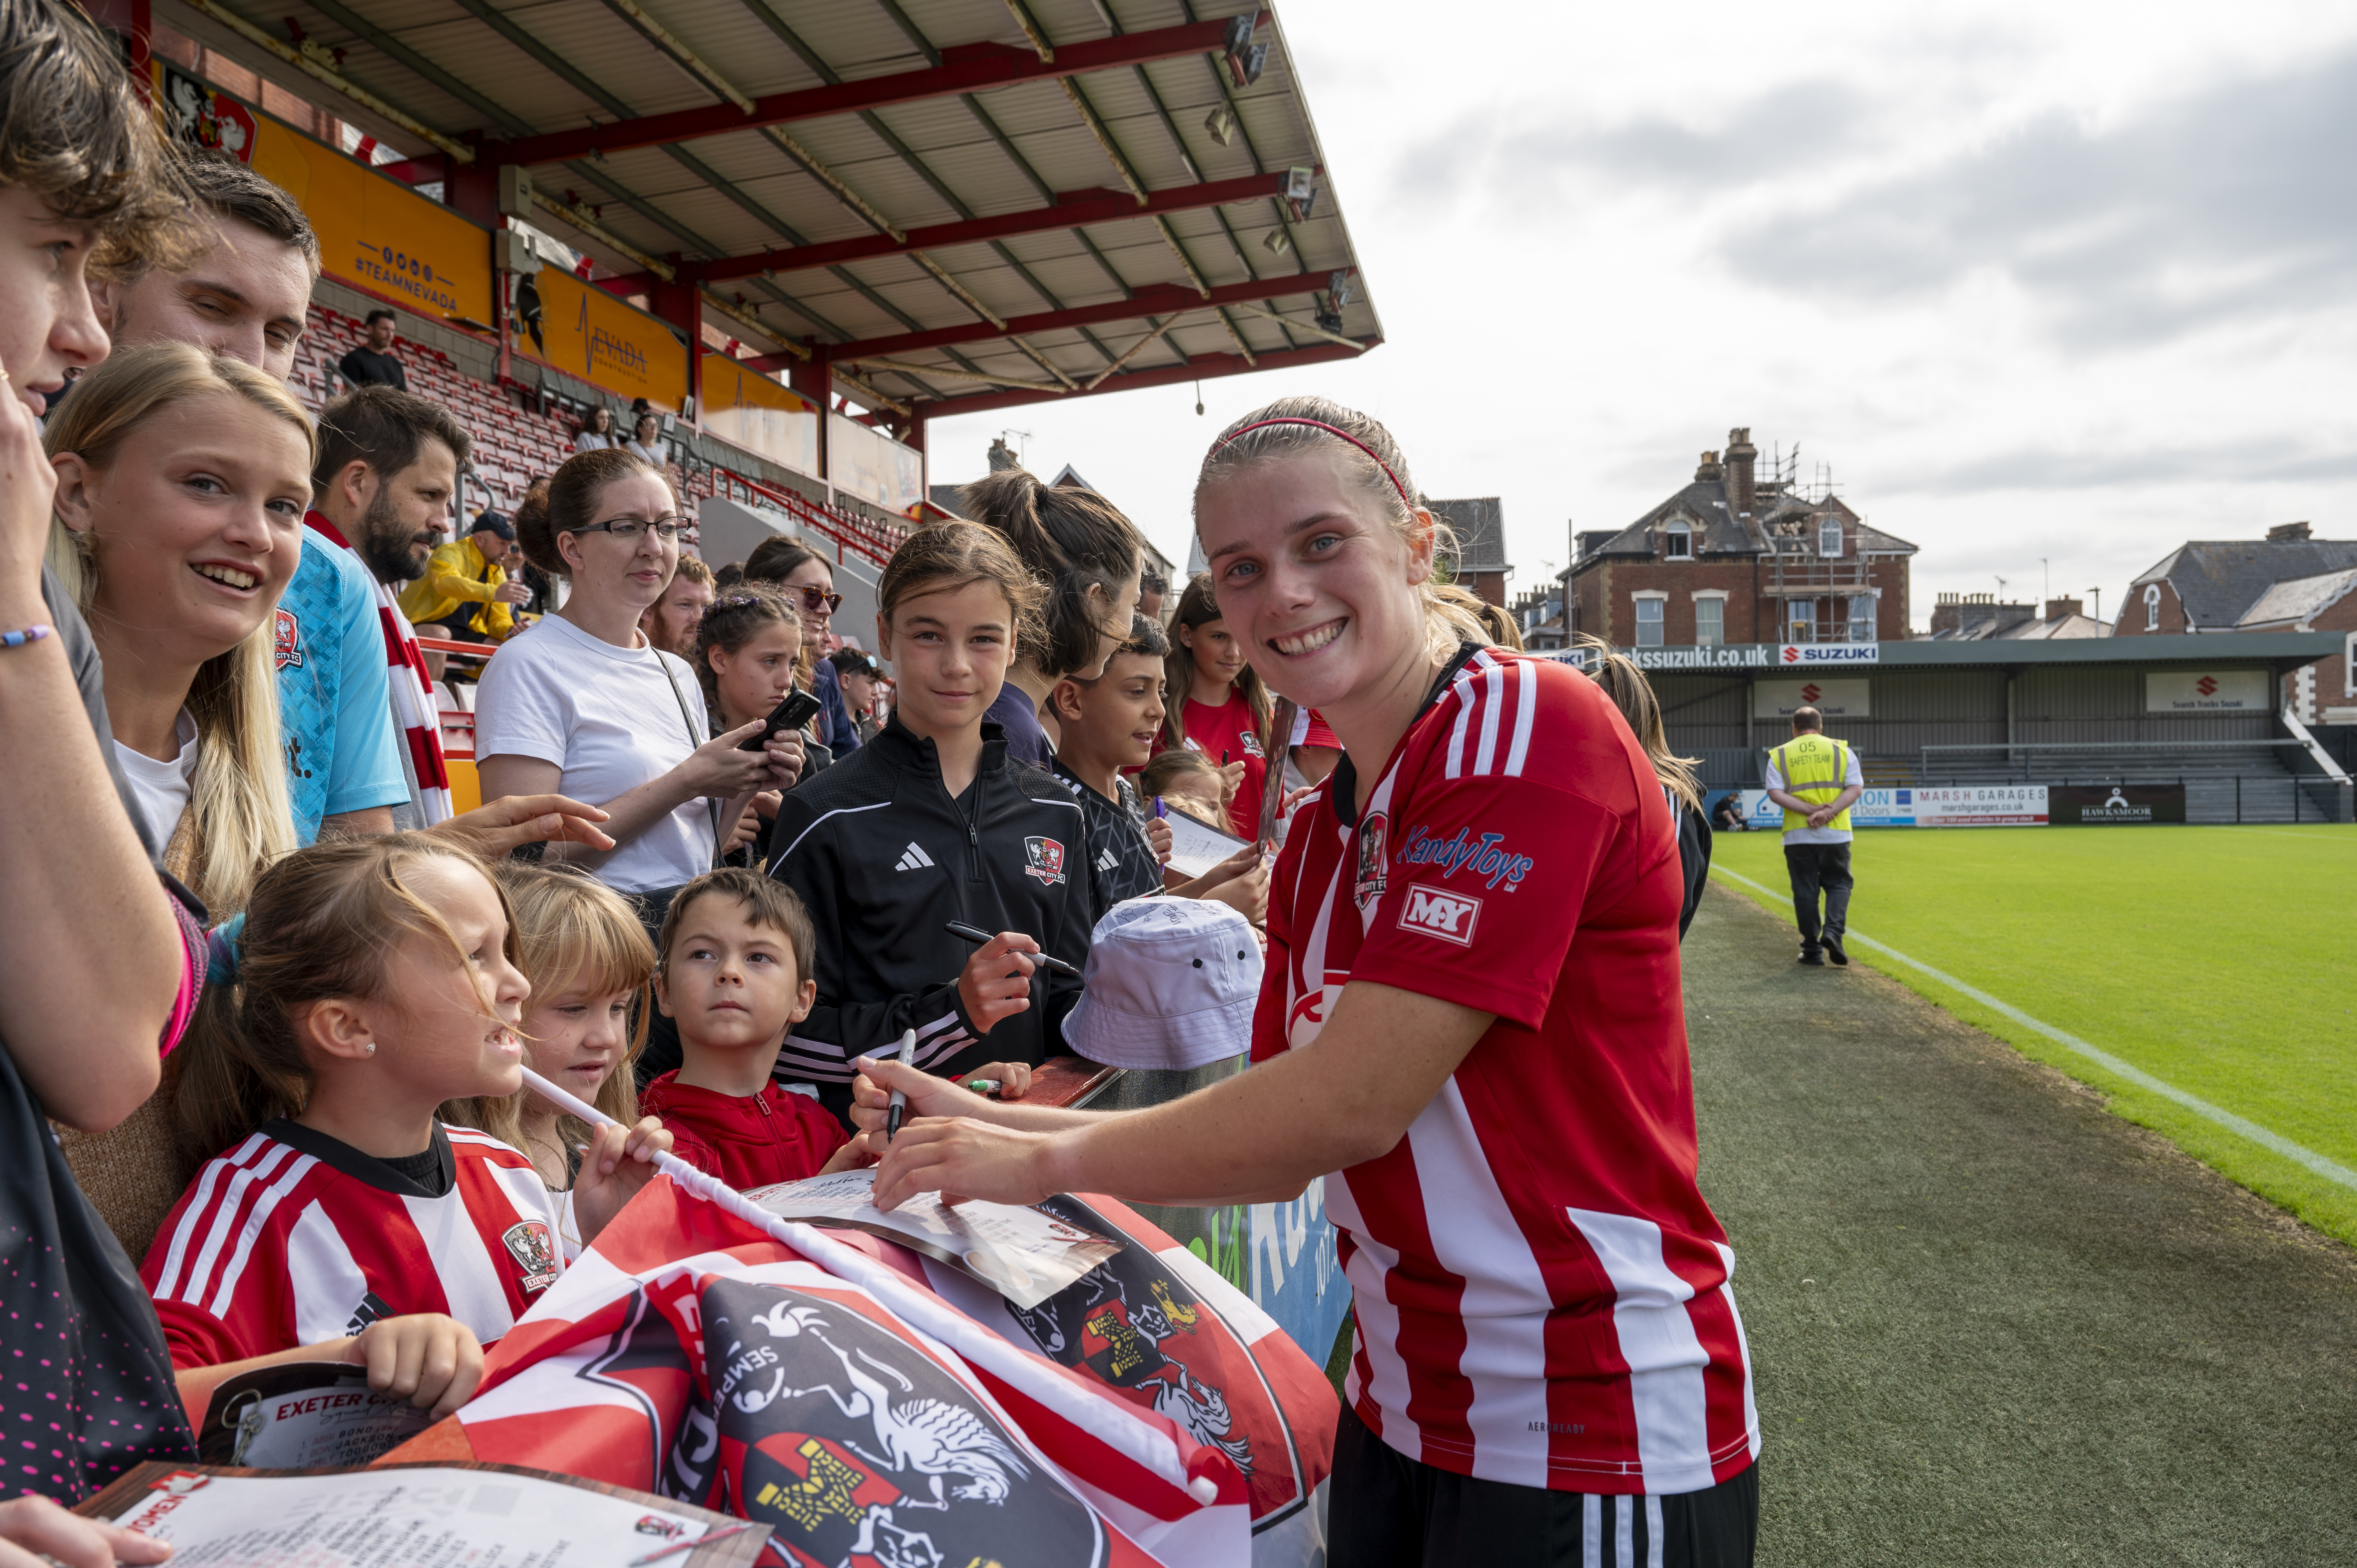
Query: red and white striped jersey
{"points": [[415, 713], [293, 1238], [1541, 1290]]}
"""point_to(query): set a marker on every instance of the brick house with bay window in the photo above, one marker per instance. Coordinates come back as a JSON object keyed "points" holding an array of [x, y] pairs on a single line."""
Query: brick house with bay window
{"points": [[1735, 558]]}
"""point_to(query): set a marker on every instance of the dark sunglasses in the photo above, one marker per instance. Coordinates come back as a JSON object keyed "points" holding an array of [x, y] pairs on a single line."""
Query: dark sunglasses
{"points": [[814, 598]]}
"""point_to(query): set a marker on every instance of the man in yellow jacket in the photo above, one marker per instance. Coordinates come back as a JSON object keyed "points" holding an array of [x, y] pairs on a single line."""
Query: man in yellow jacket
{"points": [[466, 594], [1815, 779]]}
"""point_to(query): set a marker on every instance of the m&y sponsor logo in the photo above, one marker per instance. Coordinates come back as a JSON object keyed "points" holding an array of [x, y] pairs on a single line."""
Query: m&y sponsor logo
{"points": [[1448, 915], [1485, 856]]}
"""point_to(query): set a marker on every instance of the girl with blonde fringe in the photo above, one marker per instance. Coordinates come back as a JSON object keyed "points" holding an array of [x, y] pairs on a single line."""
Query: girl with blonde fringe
{"points": [[588, 959], [182, 480]]}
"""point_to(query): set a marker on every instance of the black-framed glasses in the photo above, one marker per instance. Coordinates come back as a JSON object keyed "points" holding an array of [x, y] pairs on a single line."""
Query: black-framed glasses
{"points": [[628, 529], [814, 598]]}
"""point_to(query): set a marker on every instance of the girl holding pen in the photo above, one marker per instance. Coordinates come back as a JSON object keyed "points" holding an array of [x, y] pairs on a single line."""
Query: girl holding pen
{"points": [[933, 823], [1470, 1027]]}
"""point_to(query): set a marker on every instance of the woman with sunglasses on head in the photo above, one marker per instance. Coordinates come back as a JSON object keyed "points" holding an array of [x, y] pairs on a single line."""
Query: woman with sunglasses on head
{"points": [[808, 582], [584, 704]]}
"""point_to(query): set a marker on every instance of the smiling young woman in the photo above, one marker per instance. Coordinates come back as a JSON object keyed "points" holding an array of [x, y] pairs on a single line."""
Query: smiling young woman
{"points": [[182, 480], [1472, 1028]]}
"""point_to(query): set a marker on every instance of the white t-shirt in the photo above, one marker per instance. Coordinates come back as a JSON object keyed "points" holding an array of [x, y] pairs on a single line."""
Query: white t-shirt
{"points": [[163, 788], [606, 715], [1854, 780], [655, 453], [590, 441]]}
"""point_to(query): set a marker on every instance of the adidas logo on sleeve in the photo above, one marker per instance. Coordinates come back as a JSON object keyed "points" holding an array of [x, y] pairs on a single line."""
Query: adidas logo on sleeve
{"points": [[913, 858]]}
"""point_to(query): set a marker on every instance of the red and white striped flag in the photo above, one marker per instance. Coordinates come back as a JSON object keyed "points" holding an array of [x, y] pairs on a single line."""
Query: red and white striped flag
{"points": [[822, 1389]]}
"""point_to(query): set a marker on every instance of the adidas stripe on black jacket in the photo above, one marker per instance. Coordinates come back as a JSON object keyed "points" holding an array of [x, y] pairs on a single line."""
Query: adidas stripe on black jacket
{"points": [[884, 859]]}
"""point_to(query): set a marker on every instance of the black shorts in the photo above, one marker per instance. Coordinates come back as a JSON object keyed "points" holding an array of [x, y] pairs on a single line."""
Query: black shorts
{"points": [[1388, 1510]]}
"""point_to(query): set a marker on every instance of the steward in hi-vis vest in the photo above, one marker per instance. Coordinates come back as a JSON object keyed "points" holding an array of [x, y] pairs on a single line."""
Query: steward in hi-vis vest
{"points": [[1814, 778], [1814, 769]]}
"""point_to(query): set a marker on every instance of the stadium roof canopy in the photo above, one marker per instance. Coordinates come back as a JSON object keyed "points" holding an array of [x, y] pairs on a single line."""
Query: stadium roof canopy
{"points": [[931, 206]]}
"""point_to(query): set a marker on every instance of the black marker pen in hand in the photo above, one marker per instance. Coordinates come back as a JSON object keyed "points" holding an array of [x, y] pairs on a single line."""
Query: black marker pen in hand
{"points": [[899, 1105]]}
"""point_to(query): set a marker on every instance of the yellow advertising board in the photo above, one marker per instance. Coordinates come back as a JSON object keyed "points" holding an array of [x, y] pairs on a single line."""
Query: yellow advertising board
{"points": [[373, 232], [746, 408], [579, 328]]}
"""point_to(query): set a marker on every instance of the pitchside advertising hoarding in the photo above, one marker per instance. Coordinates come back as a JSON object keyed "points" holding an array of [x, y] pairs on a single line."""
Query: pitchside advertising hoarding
{"points": [[1992, 806], [1740, 656]]}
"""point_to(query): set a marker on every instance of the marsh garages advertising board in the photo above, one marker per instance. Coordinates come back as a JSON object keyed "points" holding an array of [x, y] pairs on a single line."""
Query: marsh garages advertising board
{"points": [[1952, 806]]}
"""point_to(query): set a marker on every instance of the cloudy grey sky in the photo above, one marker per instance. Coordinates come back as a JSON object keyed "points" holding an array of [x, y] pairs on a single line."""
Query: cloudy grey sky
{"points": [[2071, 282]]}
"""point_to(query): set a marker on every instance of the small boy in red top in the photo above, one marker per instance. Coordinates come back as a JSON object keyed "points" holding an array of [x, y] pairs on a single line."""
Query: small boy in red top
{"points": [[733, 966]]}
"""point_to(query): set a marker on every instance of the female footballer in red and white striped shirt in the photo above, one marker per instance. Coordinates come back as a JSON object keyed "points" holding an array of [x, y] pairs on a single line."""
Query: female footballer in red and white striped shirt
{"points": [[374, 980], [1471, 1026]]}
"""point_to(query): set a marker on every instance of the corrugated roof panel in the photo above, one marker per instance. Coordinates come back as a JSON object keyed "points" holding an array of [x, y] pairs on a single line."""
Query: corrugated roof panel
{"points": [[858, 41]]}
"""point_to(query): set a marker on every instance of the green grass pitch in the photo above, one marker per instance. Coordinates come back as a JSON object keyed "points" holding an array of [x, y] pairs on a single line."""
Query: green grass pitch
{"points": [[2215, 959]]}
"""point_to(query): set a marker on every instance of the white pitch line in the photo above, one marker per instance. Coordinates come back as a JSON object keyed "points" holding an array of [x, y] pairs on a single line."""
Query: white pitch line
{"points": [[2330, 1170]]}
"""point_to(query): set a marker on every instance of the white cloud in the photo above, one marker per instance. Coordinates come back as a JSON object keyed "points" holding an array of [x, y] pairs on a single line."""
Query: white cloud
{"points": [[2035, 281]]}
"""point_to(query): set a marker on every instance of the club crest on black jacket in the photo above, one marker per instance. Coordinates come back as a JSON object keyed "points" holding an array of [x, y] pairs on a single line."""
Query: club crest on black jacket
{"points": [[884, 859]]}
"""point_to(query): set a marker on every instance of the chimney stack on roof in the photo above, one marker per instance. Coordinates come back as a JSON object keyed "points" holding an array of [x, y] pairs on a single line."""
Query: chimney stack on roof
{"points": [[1740, 456], [1707, 470], [2288, 530], [2058, 608]]}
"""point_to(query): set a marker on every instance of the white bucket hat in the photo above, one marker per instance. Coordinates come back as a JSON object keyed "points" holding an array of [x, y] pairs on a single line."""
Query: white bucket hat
{"points": [[1171, 984]]}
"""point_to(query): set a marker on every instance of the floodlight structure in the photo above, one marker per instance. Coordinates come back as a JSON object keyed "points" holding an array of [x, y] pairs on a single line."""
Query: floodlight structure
{"points": [[1300, 191], [1246, 59]]}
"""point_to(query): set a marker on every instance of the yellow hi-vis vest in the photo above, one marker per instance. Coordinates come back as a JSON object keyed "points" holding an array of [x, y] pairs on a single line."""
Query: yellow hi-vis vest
{"points": [[1814, 769]]}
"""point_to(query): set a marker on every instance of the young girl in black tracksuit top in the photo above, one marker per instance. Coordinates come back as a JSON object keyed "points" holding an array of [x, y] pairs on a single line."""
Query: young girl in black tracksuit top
{"points": [[931, 823]]}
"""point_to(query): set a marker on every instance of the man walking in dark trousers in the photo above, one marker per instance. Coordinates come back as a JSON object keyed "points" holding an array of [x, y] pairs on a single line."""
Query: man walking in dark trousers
{"points": [[1814, 779]]}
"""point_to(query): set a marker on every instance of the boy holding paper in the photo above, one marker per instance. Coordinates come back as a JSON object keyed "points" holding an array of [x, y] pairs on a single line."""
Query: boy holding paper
{"points": [[1111, 724]]}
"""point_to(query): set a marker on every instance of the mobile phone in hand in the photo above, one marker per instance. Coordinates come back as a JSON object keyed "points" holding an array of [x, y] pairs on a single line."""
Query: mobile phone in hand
{"points": [[797, 710]]}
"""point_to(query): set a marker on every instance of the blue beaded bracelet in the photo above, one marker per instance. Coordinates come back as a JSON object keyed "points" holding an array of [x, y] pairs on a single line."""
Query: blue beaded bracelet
{"points": [[30, 634]]}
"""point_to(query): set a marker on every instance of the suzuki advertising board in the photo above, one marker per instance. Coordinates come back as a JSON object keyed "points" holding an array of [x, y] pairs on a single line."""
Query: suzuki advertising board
{"points": [[1806, 654], [1835, 699], [2207, 692]]}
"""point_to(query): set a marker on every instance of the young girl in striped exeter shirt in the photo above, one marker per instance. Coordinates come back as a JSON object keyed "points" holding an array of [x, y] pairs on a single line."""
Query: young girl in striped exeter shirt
{"points": [[338, 1219]]}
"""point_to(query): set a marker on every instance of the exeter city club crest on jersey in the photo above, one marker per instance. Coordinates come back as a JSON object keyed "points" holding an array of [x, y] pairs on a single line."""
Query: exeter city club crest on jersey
{"points": [[286, 639], [528, 1243], [1043, 858]]}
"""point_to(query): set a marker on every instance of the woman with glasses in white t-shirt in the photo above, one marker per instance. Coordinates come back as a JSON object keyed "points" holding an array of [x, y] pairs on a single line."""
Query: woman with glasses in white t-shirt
{"points": [[584, 703]]}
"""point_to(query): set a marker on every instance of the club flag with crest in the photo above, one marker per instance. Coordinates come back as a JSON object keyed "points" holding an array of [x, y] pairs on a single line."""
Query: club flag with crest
{"points": [[878, 1414]]}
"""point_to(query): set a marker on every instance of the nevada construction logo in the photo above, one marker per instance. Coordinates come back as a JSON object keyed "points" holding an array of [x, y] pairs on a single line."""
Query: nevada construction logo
{"points": [[1448, 915]]}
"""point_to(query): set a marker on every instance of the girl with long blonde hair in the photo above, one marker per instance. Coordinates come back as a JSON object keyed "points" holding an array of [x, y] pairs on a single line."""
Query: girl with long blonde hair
{"points": [[182, 478], [587, 956]]}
